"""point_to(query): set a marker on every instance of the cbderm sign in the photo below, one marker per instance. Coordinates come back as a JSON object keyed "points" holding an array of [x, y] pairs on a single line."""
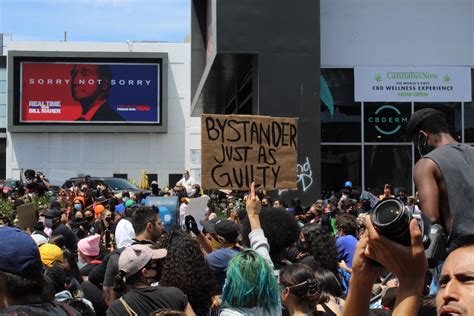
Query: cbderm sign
{"points": [[387, 119], [420, 84], [87, 92]]}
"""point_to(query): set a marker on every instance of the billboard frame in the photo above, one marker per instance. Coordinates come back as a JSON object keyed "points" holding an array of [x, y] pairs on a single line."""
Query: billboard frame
{"points": [[13, 96]]}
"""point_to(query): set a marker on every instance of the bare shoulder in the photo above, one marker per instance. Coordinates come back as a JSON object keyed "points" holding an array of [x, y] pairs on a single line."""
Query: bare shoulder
{"points": [[426, 167]]}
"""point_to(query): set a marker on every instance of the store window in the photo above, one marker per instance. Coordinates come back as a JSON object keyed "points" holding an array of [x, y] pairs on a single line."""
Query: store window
{"points": [[388, 164], [340, 115], [452, 111], [339, 164], [469, 122], [386, 121]]}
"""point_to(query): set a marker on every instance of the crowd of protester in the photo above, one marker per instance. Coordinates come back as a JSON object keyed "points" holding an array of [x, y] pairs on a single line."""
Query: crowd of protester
{"points": [[93, 252]]}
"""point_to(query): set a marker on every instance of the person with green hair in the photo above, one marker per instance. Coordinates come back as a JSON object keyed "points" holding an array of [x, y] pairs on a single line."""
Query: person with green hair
{"points": [[251, 287]]}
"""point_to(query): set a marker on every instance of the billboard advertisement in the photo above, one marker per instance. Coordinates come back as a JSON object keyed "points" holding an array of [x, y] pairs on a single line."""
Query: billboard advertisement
{"points": [[89, 93]]}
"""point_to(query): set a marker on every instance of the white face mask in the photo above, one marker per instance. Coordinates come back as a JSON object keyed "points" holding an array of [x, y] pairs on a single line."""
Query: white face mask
{"points": [[125, 198], [193, 191]]}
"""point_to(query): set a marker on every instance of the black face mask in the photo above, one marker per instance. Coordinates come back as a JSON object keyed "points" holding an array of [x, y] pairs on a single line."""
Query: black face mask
{"points": [[88, 218], [422, 145]]}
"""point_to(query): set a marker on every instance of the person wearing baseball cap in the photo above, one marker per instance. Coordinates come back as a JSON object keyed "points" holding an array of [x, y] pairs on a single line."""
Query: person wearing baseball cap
{"points": [[22, 281], [224, 235], [140, 266], [444, 176], [147, 228], [53, 221], [223, 232]]}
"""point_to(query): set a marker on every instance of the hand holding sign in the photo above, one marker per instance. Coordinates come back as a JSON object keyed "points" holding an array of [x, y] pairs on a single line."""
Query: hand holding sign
{"points": [[191, 225]]}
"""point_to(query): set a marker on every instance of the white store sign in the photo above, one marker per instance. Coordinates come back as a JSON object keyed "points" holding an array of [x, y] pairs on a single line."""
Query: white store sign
{"points": [[405, 84]]}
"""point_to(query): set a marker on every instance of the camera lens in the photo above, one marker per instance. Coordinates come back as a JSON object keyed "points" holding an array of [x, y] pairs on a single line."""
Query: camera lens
{"points": [[392, 221], [388, 213]]}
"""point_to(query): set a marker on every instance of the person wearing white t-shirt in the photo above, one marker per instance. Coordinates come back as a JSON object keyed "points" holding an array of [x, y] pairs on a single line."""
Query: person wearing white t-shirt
{"points": [[187, 182]]}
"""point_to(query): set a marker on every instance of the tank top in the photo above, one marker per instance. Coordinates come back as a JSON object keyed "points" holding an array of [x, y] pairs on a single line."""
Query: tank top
{"points": [[456, 163]]}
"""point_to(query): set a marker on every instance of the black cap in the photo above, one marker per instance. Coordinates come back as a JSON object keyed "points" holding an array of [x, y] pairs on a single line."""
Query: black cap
{"points": [[52, 213], [222, 227], [418, 117]]}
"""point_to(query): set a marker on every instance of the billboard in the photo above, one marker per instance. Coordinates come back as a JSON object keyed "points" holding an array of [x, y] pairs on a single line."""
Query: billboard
{"points": [[88, 92], [84, 93]]}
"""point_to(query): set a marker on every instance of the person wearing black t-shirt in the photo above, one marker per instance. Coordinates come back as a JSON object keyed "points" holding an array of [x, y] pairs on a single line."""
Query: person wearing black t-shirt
{"points": [[52, 220], [140, 266]]}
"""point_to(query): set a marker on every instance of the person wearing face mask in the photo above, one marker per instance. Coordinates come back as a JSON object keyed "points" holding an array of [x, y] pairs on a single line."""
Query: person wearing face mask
{"points": [[89, 218], [53, 221], [446, 169], [83, 225], [79, 203], [35, 182], [125, 196], [147, 229], [103, 225], [155, 189], [88, 253], [87, 194], [195, 191], [223, 235], [140, 267]]}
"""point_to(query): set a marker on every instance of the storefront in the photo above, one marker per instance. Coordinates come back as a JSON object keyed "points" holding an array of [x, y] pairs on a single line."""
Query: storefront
{"points": [[362, 139], [366, 142]]}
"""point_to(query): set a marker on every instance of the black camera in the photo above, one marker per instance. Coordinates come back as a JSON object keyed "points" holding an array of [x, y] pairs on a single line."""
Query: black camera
{"points": [[392, 220]]}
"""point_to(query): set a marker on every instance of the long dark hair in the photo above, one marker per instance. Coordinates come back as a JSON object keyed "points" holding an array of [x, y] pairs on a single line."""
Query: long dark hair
{"points": [[186, 268], [300, 280], [329, 284], [322, 246]]}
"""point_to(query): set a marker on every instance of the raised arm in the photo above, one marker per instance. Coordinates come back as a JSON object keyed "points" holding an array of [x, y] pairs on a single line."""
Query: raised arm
{"points": [[191, 226], [257, 238], [408, 264], [364, 274]]}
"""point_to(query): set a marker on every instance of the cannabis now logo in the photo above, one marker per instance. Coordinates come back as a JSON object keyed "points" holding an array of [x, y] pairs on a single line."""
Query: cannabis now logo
{"points": [[388, 120]]}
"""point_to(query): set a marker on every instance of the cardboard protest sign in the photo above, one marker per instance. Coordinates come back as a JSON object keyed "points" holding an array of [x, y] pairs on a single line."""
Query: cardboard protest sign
{"points": [[239, 149], [26, 216]]}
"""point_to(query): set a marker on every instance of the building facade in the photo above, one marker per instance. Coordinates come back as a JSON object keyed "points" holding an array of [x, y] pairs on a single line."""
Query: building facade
{"points": [[125, 153], [417, 35], [3, 113], [363, 140]]}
